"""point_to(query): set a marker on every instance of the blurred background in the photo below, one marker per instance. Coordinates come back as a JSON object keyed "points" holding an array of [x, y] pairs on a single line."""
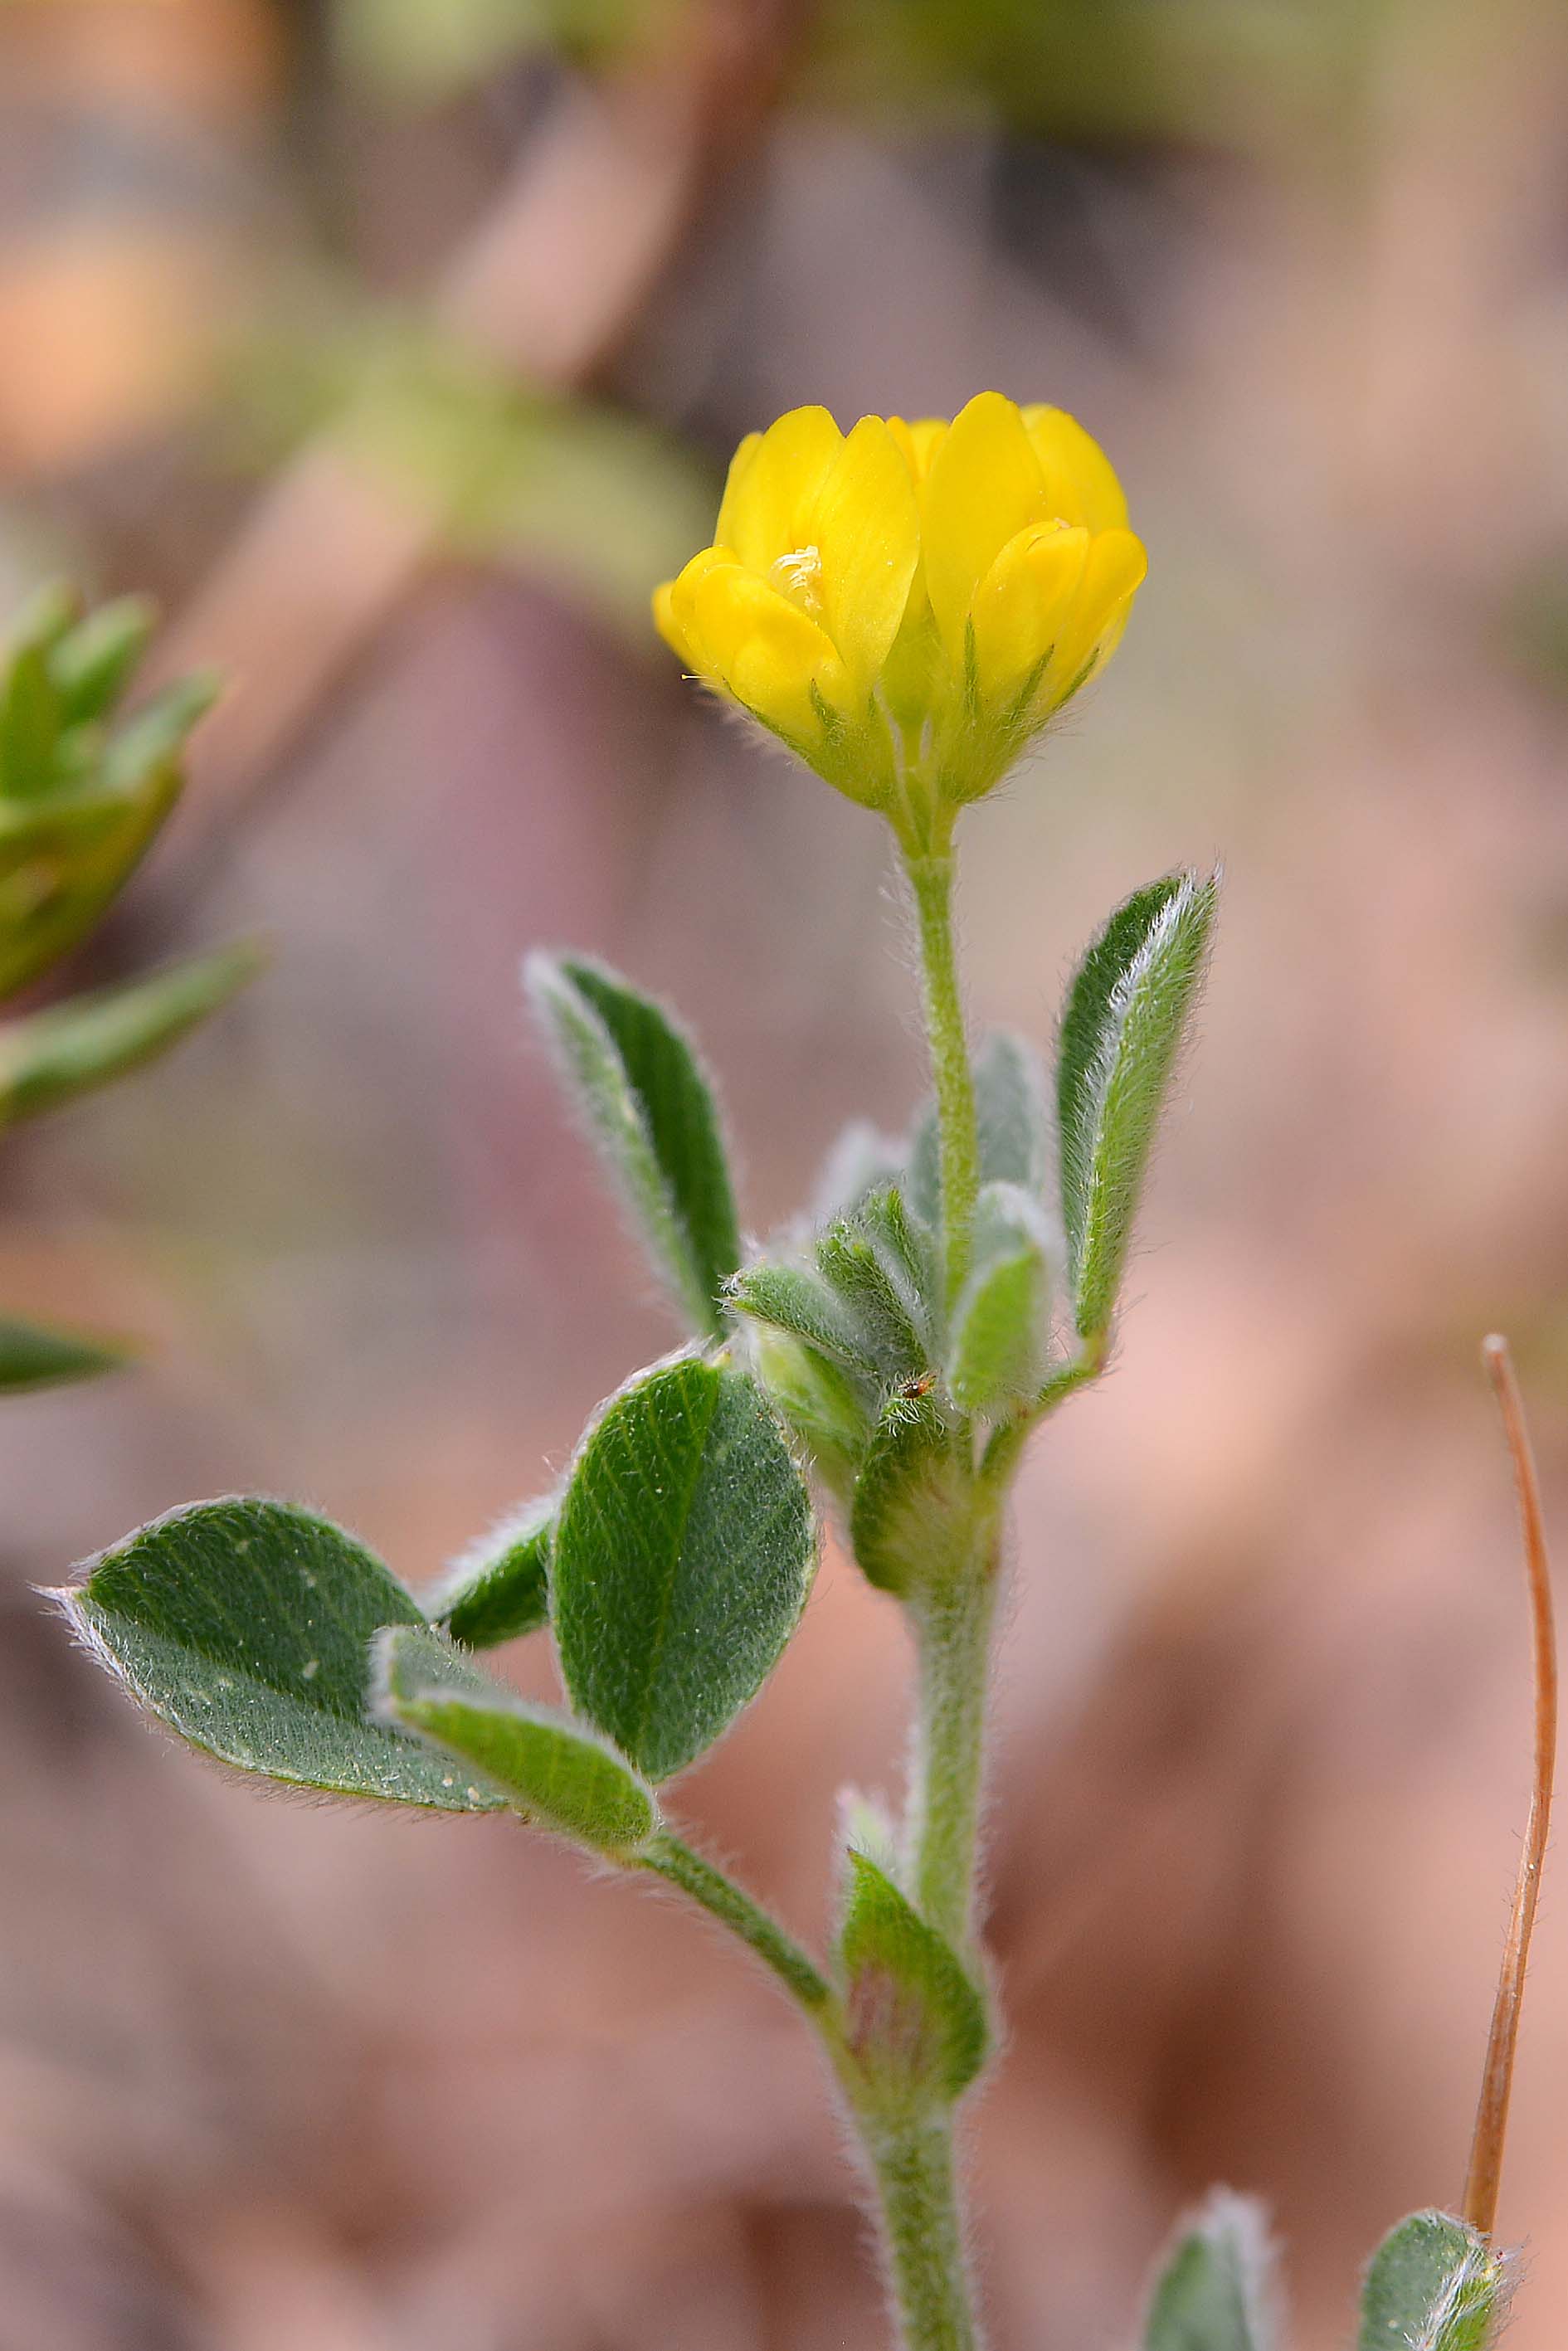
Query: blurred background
{"points": [[397, 347]]}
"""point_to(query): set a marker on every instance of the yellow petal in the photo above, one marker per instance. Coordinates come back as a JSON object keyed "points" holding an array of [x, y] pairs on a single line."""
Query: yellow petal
{"points": [[865, 528], [1080, 482], [766, 651], [773, 486], [666, 623], [1023, 605], [985, 486], [677, 615], [1113, 574], [918, 443]]}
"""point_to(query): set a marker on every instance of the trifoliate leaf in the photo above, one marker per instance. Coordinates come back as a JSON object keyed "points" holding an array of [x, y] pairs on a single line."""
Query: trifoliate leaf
{"points": [[913, 2020], [499, 1589], [74, 1047], [1214, 2291], [652, 1112], [683, 1552], [910, 1518], [1126, 1012], [1000, 1324], [1010, 1120], [556, 1774], [245, 1626], [33, 1357], [1435, 2285]]}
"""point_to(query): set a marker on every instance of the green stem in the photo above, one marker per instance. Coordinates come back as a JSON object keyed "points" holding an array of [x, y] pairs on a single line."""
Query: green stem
{"points": [[931, 881], [913, 2164], [953, 1632], [735, 1908]]}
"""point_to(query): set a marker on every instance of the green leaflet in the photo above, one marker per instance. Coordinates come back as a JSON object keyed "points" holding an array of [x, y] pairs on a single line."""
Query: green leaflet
{"points": [[794, 1299], [915, 2022], [888, 1316], [683, 1552], [652, 1113], [1126, 1012], [29, 723], [33, 1357], [910, 1518], [245, 1626], [1010, 1116], [65, 853], [499, 1589], [93, 663], [73, 1047], [1435, 2285], [826, 1409], [1000, 1324], [559, 1776], [1214, 2291]]}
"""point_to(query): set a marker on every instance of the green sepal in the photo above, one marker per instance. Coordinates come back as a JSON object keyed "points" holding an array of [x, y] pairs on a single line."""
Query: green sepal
{"points": [[245, 1626], [1435, 2285], [71, 1047], [914, 2022], [1126, 1014], [557, 1775], [1010, 1120], [499, 1589], [32, 1357], [1214, 2290], [1001, 1323], [651, 1108], [910, 1518], [684, 1552]]}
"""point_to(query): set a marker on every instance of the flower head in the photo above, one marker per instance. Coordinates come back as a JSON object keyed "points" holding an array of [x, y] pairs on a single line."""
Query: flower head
{"points": [[906, 605]]}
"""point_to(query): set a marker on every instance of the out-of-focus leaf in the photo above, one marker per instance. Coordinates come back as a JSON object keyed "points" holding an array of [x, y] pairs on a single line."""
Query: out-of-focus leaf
{"points": [[1010, 1120], [1214, 2288], [683, 1552], [33, 1357], [1435, 2285], [996, 1355], [70, 1048], [93, 663], [245, 1626], [556, 1774]]}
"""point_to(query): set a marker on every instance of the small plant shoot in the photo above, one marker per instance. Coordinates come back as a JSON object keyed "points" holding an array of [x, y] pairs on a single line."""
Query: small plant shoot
{"points": [[906, 606]]}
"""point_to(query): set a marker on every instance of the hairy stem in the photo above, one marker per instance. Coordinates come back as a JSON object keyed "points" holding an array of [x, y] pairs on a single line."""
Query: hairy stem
{"points": [[922, 2233], [930, 880], [953, 1631], [730, 1904]]}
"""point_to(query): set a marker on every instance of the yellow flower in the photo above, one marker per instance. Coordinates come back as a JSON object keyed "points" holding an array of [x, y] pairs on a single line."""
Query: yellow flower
{"points": [[907, 605]]}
